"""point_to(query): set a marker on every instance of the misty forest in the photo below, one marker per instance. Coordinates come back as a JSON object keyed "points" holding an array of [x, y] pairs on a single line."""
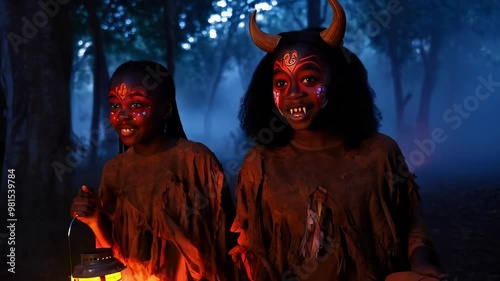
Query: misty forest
{"points": [[434, 66]]}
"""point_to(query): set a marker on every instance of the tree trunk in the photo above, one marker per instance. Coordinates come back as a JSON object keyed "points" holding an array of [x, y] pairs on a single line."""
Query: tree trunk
{"points": [[429, 60], [400, 101], [101, 81], [5, 86], [220, 67], [6, 96], [314, 13], [41, 93], [245, 72], [453, 66], [38, 135], [170, 16], [213, 90]]}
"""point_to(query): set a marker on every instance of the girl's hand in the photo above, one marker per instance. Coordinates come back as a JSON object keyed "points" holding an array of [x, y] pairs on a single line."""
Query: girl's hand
{"points": [[430, 270], [420, 261]]}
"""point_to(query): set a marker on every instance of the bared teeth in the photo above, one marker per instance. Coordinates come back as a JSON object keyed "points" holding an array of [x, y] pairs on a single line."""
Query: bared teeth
{"points": [[302, 109], [127, 132]]}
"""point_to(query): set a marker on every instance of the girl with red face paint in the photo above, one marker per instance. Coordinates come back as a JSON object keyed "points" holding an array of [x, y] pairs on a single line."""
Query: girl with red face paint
{"points": [[323, 195], [163, 204]]}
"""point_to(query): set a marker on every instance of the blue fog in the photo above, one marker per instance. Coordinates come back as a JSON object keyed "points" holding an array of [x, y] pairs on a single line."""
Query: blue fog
{"points": [[465, 152]]}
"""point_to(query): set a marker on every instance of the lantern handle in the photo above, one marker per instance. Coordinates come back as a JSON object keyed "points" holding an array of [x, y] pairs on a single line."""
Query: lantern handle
{"points": [[69, 247]]}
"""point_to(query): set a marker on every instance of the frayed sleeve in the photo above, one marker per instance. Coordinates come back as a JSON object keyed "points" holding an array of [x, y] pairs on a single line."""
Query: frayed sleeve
{"points": [[211, 209], [417, 231], [407, 203], [249, 253], [196, 208]]}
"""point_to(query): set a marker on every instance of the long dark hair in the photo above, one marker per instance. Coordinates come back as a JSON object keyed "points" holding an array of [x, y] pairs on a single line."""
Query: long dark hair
{"points": [[350, 113]]}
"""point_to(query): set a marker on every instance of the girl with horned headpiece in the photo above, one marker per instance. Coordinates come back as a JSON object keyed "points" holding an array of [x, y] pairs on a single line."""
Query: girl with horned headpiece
{"points": [[323, 195]]}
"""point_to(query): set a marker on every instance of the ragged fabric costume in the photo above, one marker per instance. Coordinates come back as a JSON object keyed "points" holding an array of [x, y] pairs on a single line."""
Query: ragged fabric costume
{"points": [[167, 214], [368, 222], [345, 210]]}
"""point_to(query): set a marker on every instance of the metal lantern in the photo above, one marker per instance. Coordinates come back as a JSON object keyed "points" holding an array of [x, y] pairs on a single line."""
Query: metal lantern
{"points": [[98, 265]]}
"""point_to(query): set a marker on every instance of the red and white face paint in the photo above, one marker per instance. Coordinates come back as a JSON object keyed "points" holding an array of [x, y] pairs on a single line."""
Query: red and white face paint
{"points": [[131, 113], [321, 95], [139, 103], [299, 86]]}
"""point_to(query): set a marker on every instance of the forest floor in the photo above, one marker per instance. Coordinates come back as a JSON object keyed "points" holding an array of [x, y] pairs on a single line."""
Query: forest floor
{"points": [[464, 222]]}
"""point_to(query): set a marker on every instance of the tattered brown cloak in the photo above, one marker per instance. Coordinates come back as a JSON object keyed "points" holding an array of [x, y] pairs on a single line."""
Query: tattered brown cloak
{"points": [[333, 212]]}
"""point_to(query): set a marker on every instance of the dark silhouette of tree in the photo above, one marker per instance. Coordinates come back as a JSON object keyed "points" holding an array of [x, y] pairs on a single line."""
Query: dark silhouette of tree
{"points": [[100, 77], [170, 17], [388, 26], [37, 142], [407, 31], [5, 84]]}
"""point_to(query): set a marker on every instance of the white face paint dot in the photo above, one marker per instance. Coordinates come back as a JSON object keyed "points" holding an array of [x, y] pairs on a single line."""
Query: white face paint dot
{"points": [[144, 113]]}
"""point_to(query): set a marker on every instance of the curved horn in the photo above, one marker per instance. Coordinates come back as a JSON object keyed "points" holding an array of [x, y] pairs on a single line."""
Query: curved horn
{"points": [[334, 34], [265, 42]]}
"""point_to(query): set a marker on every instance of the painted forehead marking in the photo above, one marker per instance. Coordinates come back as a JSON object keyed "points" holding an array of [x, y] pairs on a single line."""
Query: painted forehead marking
{"points": [[290, 61], [122, 90]]}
